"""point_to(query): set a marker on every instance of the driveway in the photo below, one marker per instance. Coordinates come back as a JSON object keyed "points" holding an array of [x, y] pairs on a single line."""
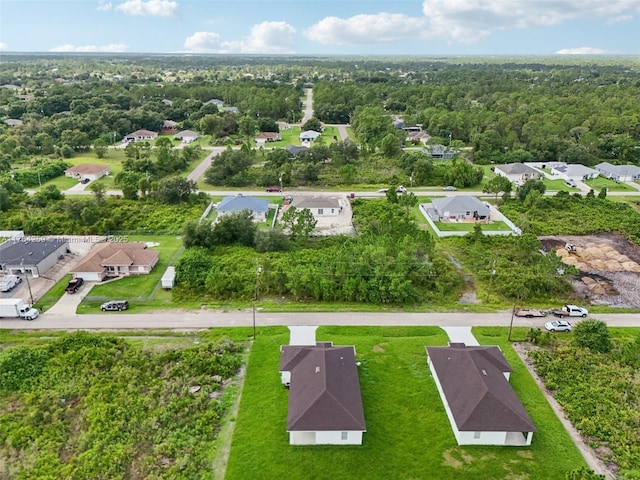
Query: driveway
{"points": [[308, 106], [198, 172], [461, 335], [68, 303]]}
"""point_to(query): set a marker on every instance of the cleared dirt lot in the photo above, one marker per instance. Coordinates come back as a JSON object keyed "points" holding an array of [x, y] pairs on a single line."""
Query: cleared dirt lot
{"points": [[609, 267]]}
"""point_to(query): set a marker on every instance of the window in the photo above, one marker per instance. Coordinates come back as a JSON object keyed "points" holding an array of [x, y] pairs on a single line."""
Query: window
{"points": [[345, 436], [320, 211], [333, 210], [476, 435]]}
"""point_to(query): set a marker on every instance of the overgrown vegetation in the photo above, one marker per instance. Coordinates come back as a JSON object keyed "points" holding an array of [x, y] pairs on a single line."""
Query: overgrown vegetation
{"points": [[96, 406], [599, 390]]}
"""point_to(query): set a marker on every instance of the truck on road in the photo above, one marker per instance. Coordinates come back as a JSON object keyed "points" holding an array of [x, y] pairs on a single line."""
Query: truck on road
{"points": [[569, 311], [16, 308]]}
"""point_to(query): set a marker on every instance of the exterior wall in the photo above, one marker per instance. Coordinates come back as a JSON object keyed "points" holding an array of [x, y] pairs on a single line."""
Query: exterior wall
{"points": [[485, 438], [51, 260], [325, 438], [257, 216], [325, 212], [452, 422]]}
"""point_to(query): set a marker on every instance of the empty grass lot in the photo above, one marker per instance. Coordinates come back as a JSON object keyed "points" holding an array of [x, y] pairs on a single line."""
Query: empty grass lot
{"points": [[408, 435], [602, 182]]}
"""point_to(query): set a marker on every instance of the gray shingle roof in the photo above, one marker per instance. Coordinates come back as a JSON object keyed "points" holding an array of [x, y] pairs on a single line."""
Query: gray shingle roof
{"points": [[478, 394], [324, 394], [460, 203], [517, 168], [238, 203], [16, 252], [316, 202], [575, 170], [618, 169]]}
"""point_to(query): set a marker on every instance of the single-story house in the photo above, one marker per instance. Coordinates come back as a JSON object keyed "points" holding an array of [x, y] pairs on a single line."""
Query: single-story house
{"points": [[140, 136], [319, 206], [619, 173], [35, 257], [309, 136], [418, 137], [215, 101], [473, 383], [295, 149], [12, 122], [25, 98], [111, 259], [325, 403], [264, 137], [186, 136], [439, 151], [463, 208], [92, 171], [167, 102], [575, 172], [283, 125], [230, 109], [10, 86], [518, 173], [169, 126], [237, 203]]}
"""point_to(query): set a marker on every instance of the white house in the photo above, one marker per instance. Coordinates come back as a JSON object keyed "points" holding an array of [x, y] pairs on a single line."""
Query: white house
{"points": [[517, 173], [482, 408], [259, 207], [309, 136], [186, 136], [575, 172], [140, 136], [325, 403], [319, 206], [619, 173]]}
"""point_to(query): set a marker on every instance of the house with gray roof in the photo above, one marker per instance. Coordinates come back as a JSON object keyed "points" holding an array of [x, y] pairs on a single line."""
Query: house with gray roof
{"points": [[309, 136], [186, 136], [619, 173], [140, 136], [215, 101], [575, 172], [325, 403], [12, 122], [319, 206], [230, 109], [237, 203], [518, 173], [19, 255], [482, 408], [460, 208]]}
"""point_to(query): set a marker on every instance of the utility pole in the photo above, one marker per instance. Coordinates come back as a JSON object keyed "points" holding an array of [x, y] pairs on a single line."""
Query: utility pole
{"points": [[255, 296], [26, 277], [513, 312]]}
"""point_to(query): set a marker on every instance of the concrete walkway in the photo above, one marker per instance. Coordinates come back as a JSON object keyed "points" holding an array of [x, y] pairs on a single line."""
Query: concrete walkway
{"points": [[461, 335]]}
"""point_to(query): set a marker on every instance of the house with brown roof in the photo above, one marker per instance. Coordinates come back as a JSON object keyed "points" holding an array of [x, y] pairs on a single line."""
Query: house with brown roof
{"points": [[418, 137], [264, 137], [92, 171], [111, 259], [169, 126], [140, 136], [325, 404], [483, 409]]}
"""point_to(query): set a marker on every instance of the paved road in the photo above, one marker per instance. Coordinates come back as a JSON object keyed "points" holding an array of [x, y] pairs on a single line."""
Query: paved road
{"points": [[342, 130], [197, 172], [244, 318], [308, 106]]}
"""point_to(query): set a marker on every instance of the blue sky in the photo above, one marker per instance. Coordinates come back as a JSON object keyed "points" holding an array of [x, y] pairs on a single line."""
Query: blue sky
{"points": [[403, 27]]}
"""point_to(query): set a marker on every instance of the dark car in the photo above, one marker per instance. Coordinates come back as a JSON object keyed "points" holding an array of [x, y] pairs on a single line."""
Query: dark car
{"points": [[74, 285], [114, 305], [274, 189], [85, 180]]}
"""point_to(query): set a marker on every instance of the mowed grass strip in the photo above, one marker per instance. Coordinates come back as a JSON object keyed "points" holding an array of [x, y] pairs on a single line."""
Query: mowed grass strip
{"points": [[408, 435]]}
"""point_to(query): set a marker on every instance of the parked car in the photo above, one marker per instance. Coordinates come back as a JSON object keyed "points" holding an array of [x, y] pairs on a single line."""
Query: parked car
{"points": [[401, 189], [529, 313], [85, 181], [74, 285], [558, 326], [570, 311], [571, 183], [115, 305], [274, 189], [450, 188]]}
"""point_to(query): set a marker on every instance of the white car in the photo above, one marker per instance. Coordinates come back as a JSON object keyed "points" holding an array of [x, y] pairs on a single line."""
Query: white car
{"points": [[558, 326], [449, 188]]}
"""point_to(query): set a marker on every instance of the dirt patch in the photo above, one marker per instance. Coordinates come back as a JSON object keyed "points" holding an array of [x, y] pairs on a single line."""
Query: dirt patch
{"points": [[378, 349], [609, 267], [590, 456], [451, 461]]}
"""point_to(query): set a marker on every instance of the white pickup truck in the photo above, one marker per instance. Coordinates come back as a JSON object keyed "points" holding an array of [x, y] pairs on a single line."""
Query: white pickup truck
{"points": [[569, 311]]}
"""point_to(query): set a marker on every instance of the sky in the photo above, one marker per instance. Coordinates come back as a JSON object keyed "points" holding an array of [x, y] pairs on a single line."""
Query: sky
{"points": [[323, 27]]}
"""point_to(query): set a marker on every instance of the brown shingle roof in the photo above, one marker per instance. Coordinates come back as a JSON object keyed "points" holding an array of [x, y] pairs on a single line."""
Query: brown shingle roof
{"points": [[88, 168], [108, 254], [324, 394], [478, 394]]}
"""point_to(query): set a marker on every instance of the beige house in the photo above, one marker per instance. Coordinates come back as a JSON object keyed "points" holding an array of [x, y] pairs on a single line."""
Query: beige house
{"points": [[92, 171], [140, 136], [319, 206], [111, 259], [265, 137]]}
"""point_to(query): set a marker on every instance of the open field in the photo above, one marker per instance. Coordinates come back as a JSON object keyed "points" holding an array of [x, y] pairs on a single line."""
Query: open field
{"points": [[408, 434]]}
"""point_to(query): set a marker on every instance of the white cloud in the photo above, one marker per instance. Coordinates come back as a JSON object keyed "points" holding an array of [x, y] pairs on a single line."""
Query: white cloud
{"points": [[466, 20], [366, 29], [104, 7], [3, 46], [112, 47], [582, 51], [265, 37], [149, 8]]}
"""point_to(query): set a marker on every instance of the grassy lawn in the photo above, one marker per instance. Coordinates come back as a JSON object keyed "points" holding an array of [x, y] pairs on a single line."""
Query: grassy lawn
{"points": [[290, 136], [558, 185], [54, 294], [408, 435], [468, 227], [62, 182], [612, 186], [142, 291]]}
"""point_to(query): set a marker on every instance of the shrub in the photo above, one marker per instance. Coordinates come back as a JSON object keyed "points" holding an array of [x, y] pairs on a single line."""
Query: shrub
{"points": [[594, 335]]}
